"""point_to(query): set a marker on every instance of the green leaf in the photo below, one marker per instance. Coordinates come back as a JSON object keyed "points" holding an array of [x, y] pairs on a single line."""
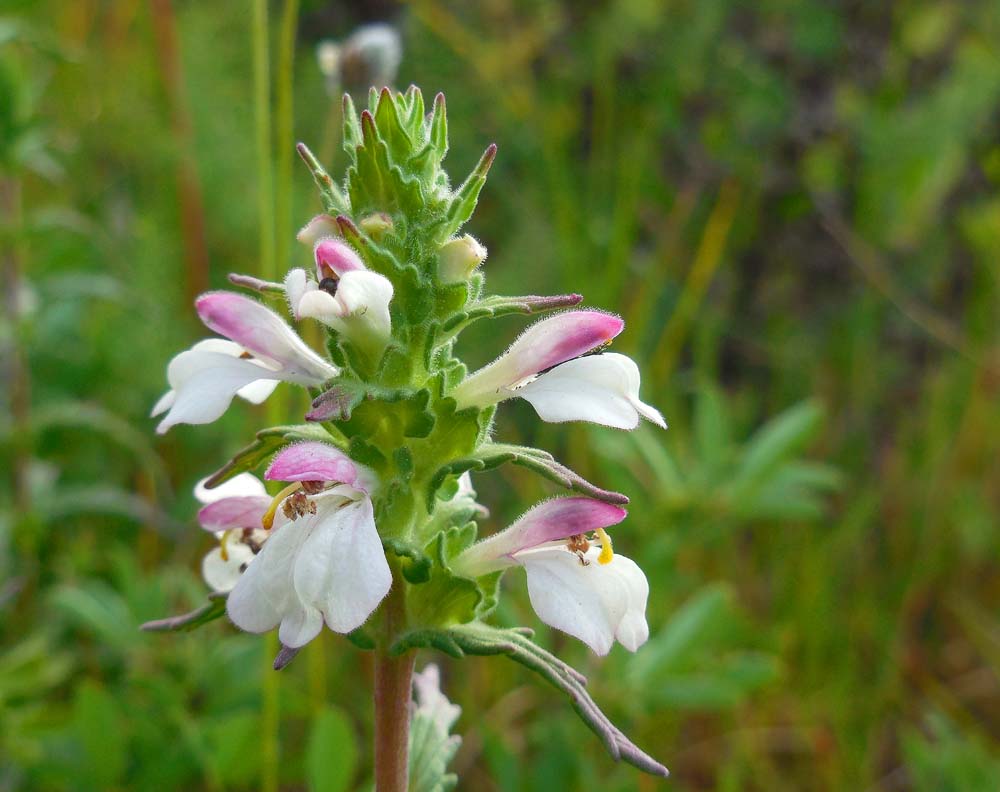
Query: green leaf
{"points": [[67, 502], [941, 757], [686, 664], [230, 746], [722, 685], [711, 426], [30, 668], [100, 728], [100, 610], [93, 417], [774, 443], [687, 631], [331, 755]]}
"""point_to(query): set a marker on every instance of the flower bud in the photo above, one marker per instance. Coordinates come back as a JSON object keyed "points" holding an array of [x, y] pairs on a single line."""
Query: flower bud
{"points": [[316, 229], [376, 225], [459, 258]]}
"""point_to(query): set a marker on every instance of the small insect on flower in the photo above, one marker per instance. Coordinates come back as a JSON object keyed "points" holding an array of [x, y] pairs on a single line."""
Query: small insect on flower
{"points": [[329, 285], [579, 544]]}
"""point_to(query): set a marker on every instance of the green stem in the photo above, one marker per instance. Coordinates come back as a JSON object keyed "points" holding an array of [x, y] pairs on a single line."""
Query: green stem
{"points": [[285, 130], [270, 747], [393, 678], [189, 192], [271, 711], [18, 372], [706, 261], [262, 138]]}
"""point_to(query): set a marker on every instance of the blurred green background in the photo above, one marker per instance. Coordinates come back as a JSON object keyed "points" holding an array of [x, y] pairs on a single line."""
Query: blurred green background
{"points": [[796, 208]]}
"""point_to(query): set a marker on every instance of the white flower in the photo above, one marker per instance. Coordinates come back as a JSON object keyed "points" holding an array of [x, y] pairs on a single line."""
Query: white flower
{"points": [[597, 603], [345, 295], [262, 351], [593, 594], [603, 389], [544, 367], [323, 561], [232, 512]]}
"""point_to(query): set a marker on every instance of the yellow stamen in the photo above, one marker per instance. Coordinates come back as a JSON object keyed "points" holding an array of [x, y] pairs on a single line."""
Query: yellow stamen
{"points": [[268, 519], [222, 545], [607, 553]]}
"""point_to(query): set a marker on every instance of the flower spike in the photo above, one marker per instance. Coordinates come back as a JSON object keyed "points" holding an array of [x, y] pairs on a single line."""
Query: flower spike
{"points": [[371, 527]]}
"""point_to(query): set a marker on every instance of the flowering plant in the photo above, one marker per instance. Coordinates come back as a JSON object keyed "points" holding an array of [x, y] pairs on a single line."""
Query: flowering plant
{"points": [[374, 531]]}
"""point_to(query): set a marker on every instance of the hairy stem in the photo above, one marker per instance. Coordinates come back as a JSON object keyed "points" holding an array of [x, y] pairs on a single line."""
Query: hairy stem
{"points": [[393, 677], [392, 721]]}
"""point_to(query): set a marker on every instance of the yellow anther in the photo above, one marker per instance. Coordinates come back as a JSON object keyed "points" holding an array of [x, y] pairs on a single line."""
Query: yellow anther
{"points": [[268, 519], [607, 553], [222, 545]]}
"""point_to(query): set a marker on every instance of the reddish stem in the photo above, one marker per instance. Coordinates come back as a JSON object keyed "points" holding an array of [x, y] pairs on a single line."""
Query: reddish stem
{"points": [[393, 677]]}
